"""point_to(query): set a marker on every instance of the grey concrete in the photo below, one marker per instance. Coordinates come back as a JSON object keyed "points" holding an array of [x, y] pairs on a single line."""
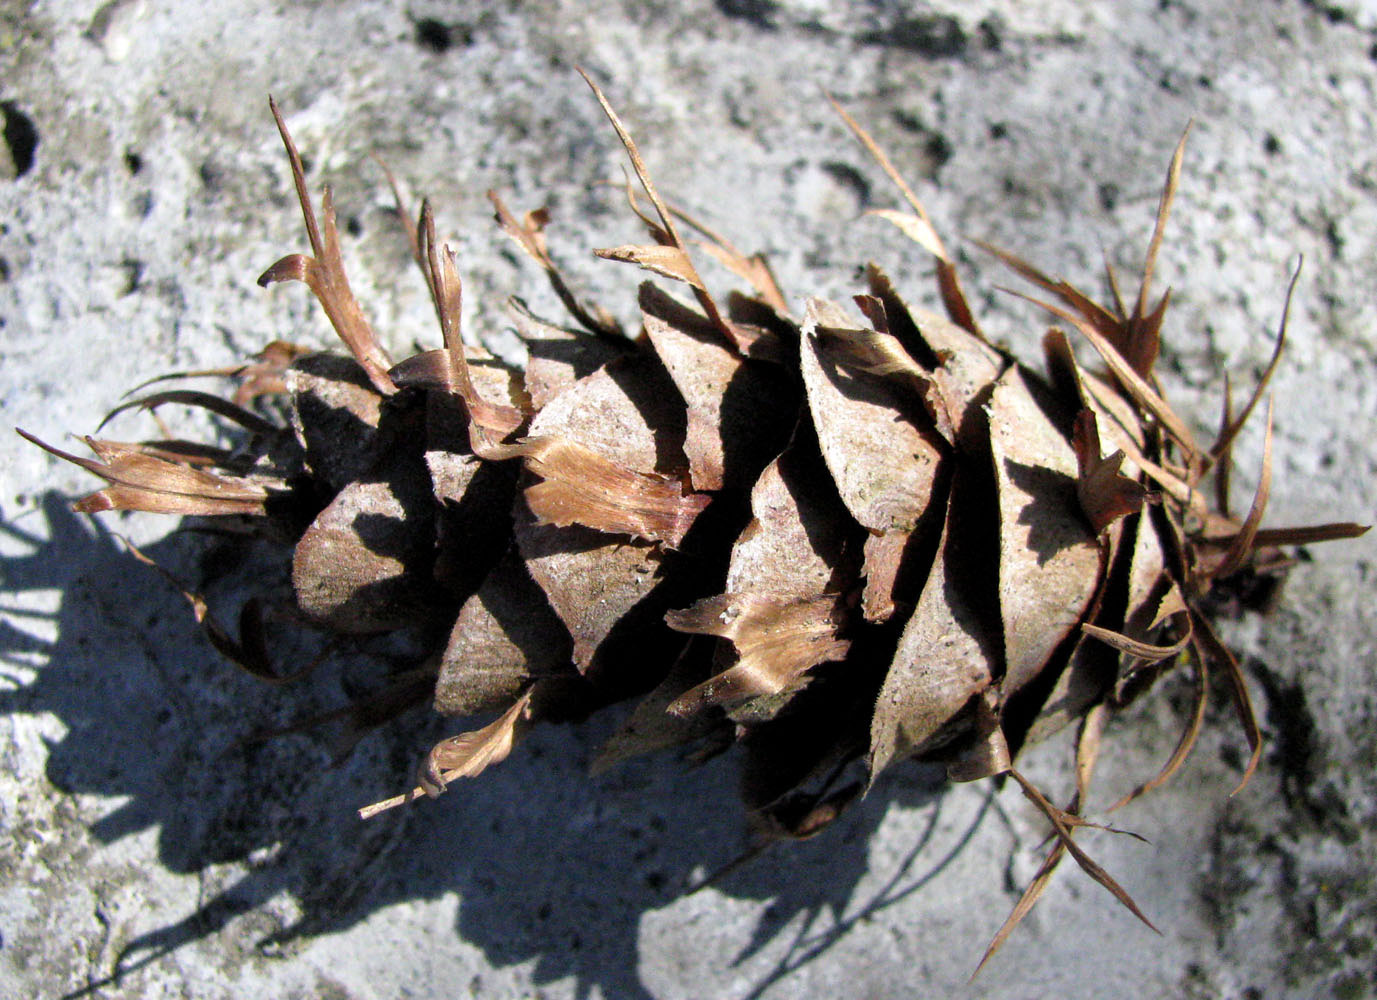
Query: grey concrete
{"points": [[149, 849]]}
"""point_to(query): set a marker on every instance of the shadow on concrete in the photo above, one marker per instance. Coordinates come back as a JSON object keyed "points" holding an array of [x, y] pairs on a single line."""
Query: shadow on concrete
{"points": [[549, 864]]}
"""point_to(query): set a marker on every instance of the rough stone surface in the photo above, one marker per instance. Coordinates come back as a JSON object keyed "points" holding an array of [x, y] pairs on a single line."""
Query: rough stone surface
{"points": [[149, 846]]}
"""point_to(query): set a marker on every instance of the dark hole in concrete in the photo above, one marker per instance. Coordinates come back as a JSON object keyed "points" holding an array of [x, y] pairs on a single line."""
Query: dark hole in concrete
{"points": [[1109, 196], [1332, 12], [849, 177], [907, 121], [938, 149], [133, 162], [212, 176], [936, 36], [1334, 238], [434, 35], [990, 36], [21, 136], [439, 37], [133, 275], [757, 12]]}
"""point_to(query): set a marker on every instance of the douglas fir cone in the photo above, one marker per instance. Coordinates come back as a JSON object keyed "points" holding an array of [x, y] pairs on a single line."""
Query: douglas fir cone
{"points": [[837, 542]]}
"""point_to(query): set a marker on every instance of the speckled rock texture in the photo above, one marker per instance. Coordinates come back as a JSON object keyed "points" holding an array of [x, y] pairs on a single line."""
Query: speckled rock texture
{"points": [[153, 844]]}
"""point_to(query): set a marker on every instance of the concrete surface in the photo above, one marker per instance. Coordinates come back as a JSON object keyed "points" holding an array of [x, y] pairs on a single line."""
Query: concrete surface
{"points": [[151, 849]]}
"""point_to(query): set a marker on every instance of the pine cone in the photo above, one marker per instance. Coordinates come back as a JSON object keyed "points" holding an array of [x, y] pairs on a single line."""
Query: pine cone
{"points": [[837, 543]]}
